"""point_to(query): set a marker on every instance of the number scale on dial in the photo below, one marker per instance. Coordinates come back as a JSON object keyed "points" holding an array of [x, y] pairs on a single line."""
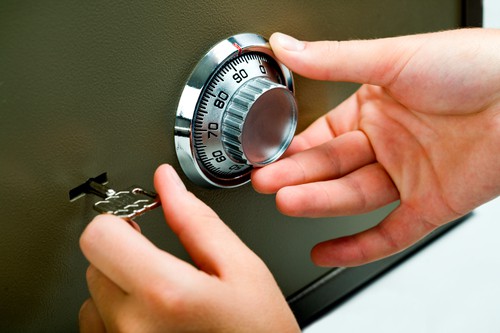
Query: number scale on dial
{"points": [[213, 103]]}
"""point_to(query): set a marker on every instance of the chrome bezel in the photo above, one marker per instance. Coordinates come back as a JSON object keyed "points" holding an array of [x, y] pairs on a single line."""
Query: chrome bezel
{"points": [[216, 57]]}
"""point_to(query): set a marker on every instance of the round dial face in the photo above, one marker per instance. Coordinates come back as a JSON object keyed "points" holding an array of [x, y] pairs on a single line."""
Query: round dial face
{"points": [[215, 104], [209, 147]]}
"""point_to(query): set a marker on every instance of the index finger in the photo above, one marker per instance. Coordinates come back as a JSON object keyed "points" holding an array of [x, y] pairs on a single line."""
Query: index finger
{"points": [[330, 160], [210, 243], [127, 257]]}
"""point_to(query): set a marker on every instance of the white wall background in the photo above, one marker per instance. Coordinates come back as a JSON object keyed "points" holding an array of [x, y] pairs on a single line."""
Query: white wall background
{"points": [[491, 13]]}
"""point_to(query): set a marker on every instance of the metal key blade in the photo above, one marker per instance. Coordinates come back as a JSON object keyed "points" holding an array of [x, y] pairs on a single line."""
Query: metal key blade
{"points": [[129, 204]]}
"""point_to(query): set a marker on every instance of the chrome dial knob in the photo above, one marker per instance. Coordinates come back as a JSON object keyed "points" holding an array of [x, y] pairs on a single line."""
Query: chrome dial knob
{"points": [[236, 112], [259, 122]]}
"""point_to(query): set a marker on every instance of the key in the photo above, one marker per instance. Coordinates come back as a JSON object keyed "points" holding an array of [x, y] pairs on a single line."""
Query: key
{"points": [[127, 204]]}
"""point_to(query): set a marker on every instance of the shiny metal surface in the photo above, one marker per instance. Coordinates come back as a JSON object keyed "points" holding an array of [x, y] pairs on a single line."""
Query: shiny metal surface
{"points": [[216, 148], [127, 204], [259, 122]]}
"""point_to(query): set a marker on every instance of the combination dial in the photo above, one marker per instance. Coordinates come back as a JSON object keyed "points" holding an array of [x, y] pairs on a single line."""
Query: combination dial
{"points": [[237, 111]]}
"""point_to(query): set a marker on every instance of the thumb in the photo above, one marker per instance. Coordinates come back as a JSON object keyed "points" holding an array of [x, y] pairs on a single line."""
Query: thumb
{"points": [[210, 243], [376, 62]]}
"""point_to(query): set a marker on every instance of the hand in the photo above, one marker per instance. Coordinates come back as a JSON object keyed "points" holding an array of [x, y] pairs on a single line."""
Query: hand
{"points": [[423, 129], [136, 287]]}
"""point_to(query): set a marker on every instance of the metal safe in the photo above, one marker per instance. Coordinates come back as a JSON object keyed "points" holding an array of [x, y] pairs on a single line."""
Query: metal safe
{"points": [[88, 87]]}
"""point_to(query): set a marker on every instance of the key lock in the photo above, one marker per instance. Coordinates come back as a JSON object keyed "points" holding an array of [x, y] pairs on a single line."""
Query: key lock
{"points": [[237, 111]]}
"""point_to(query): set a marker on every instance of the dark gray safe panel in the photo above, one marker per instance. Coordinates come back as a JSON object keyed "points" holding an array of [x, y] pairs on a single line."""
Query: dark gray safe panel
{"points": [[89, 86]]}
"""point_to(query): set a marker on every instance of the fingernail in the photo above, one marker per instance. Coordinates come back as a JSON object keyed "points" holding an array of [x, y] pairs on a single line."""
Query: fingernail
{"points": [[289, 43], [175, 178]]}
